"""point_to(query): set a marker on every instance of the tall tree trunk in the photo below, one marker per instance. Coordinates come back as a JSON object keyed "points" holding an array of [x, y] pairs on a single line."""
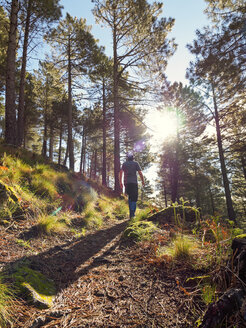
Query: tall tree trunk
{"points": [[95, 165], [197, 187], [51, 144], [230, 210], [60, 143], [243, 162], [70, 107], [21, 108], [116, 116], [81, 153], [66, 156], [84, 154], [10, 109], [91, 165], [165, 193], [212, 200], [45, 136], [104, 164]]}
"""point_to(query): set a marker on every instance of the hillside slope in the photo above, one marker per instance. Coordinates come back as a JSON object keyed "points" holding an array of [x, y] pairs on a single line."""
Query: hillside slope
{"points": [[70, 257]]}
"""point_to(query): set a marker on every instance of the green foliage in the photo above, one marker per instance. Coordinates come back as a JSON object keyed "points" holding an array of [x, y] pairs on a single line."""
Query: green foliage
{"points": [[140, 230], [208, 294], [6, 302]]}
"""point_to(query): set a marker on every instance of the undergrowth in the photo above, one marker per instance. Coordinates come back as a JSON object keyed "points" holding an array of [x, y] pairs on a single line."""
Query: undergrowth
{"points": [[6, 304]]}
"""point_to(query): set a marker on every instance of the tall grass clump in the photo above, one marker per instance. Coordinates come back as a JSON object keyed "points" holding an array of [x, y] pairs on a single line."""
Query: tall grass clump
{"points": [[6, 300], [121, 209], [92, 218], [49, 224], [181, 248]]}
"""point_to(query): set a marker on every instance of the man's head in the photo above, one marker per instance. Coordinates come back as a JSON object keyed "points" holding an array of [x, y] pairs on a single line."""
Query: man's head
{"points": [[130, 156]]}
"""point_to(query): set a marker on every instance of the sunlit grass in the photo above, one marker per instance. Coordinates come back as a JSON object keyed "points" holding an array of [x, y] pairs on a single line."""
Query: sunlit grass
{"points": [[6, 302], [92, 217], [182, 248], [121, 209], [48, 224]]}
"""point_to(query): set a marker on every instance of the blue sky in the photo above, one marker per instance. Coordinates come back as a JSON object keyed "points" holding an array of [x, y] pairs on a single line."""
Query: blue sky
{"points": [[188, 16]]}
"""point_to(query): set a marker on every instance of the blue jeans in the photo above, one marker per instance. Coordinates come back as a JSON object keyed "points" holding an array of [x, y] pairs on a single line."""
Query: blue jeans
{"points": [[132, 207]]}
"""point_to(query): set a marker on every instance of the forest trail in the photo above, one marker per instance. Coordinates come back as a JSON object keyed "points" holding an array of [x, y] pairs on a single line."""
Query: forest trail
{"points": [[104, 282]]}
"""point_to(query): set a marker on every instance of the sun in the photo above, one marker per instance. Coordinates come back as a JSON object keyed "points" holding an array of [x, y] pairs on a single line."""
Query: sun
{"points": [[162, 125]]}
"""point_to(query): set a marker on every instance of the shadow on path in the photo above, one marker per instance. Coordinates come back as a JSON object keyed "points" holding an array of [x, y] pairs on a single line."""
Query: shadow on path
{"points": [[67, 262]]}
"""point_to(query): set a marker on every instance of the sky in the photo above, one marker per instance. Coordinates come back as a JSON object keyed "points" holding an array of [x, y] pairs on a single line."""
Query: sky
{"points": [[188, 16]]}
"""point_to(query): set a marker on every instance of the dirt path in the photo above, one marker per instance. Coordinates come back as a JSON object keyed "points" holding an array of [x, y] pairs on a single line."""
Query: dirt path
{"points": [[102, 282]]}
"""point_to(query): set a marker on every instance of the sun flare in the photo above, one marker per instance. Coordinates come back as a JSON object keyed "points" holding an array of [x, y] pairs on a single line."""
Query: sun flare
{"points": [[162, 125]]}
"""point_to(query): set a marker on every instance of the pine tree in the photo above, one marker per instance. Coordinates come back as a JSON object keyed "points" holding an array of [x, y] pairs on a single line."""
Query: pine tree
{"points": [[10, 94], [34, 15], [78, 54], [138, 38]]}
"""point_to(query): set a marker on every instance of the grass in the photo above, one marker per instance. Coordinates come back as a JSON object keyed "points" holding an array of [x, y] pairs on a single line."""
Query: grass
{"points": [[6, 302], [208, 294], [50, 225], [140, 230], [121, 209], [92, 217], [181, 248]]}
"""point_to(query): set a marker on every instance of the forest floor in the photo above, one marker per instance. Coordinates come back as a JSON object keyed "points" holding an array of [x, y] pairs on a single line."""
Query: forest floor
{"points": [[101, 280]]}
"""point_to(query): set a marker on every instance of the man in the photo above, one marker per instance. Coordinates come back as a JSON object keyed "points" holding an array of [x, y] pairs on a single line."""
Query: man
{"points": [[130, 169]]}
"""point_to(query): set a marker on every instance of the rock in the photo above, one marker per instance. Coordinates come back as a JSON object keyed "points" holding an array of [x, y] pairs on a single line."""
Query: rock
{"points": [[33, 285], [178, 215]]}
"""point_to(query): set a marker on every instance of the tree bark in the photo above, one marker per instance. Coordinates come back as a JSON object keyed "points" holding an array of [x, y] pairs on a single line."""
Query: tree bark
{"points": [[212, 200], [243, 162], [45, 137], [230, 210], [60, 143], [21, 106], [116, 116], [51, 144], [66, 156], [70, 107], [10, 107], [104, 164]]}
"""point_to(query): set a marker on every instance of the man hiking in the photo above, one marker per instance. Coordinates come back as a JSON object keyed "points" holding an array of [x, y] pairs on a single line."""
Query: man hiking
{"points": [[130, 169]]}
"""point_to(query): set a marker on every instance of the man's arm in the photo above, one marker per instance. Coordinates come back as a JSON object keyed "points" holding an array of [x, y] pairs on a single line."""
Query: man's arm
{"points": [[142, 177], [120, 178]]}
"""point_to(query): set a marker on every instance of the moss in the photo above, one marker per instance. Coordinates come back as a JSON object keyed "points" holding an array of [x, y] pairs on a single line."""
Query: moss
{"points": [[35, 286], [242, 236]]}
